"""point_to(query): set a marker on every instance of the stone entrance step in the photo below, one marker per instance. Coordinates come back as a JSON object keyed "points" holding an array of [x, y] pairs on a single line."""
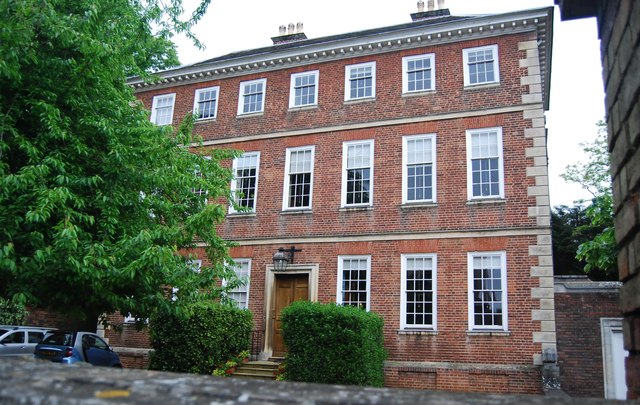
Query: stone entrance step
{"points": [[265, 370]]}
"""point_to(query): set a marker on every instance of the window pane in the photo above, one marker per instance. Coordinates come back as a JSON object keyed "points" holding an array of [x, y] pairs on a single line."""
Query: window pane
{"points": [[360, 82], [304, 90], [246, 180], [418, 291], [206, 103], [354, 282], [487, 290], [419, 74], [253, 94]]}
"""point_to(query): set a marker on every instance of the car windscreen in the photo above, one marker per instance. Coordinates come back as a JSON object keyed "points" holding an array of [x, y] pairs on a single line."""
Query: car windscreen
{"points": [[58, 339], [3, 331]]}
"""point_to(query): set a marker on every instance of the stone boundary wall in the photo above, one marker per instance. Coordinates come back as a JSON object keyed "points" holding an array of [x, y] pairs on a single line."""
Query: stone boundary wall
{"points": [[29, 381]]}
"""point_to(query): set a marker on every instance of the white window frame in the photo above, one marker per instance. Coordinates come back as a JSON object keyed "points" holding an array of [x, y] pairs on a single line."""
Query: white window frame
{"points": [[434, 290], [201, 192], [154, 108], [496, 65], [242, 95], [347, 81], [339, 290], [234, 183], [196, 102], [345, 150], [500, 156], [287, 178], [405, 72], [292, 88], [504, 292], [243, 288], [405, 168]]}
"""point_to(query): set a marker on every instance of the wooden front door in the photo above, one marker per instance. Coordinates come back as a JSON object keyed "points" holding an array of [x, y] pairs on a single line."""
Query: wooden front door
{"points": [[289, 288]]}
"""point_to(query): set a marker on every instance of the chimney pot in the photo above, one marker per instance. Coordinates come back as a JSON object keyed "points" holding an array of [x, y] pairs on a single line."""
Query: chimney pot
{"points": [[440, 4], [430, 6], [299, 28], [292, 29], [282, 29], [420, 6]]}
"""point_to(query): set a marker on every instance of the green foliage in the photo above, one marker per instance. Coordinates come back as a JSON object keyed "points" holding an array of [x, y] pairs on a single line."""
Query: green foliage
{"points": [[599, 253], [570, 227], [204, 336], [594, 175], [12, 312], [95, 201], [333, 344]]}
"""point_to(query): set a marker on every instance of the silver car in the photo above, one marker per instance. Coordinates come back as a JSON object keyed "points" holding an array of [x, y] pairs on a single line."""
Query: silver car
{"points": [[20, 340]]}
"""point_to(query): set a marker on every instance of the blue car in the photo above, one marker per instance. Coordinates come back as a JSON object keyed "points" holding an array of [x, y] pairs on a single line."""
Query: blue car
{"points": [[73, 347]]}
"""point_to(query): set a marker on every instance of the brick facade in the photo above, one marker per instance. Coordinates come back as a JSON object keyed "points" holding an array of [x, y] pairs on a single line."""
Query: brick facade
{"points": [[619, 32], [453, 355]]}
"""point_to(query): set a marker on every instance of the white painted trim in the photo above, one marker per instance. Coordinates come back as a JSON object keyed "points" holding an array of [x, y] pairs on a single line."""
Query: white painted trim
{"points": [[496, 64], [241, 95], [341, 259], [612, 381], [405, 76], [285, 188], [234, 183], [503, 280], [154, 107], [347, 82], [470, 133], [403, 295], [217, 98], [405, 161], [240, 261], [292, 93], [343, 195]]}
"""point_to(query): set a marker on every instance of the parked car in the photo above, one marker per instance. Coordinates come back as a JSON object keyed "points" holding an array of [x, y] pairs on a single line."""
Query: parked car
{"points": [[20, 340], [73, 347]]}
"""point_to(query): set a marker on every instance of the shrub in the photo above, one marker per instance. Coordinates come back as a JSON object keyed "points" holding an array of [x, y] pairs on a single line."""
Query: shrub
{"points": [[333, 344], [197, 342], [12, 313]]}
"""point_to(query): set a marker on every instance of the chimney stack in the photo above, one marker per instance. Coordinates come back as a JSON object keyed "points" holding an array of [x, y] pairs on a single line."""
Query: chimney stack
{"points": [[431, 12], [289, 33]]}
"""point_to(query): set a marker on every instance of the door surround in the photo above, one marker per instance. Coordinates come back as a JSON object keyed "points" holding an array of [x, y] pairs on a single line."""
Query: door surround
{"points": [[270, 297], [612, 352]]}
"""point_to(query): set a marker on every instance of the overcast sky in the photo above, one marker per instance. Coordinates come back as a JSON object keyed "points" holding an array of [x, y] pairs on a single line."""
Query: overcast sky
{"points": [[577, 95]]}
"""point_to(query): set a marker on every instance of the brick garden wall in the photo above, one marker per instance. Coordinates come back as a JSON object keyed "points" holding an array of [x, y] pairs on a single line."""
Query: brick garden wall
{"points": [[578, 315]]}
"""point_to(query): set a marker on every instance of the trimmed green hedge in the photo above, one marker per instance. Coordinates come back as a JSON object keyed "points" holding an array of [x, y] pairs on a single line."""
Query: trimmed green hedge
{"points": [[333, 344], [196, 343]]}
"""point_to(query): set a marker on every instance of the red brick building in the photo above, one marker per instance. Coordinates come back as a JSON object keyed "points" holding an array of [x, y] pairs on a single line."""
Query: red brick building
{"points": [[408, 167]]}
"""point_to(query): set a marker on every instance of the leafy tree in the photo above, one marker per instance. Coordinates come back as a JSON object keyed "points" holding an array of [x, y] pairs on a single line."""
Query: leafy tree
{"points": [[96, 202], [599, 253]]}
